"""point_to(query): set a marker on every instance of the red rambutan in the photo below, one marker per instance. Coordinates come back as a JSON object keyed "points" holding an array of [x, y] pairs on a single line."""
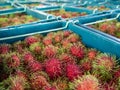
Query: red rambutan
{"points": [[87, 82], [38, 82], [34, 66], [50, 51], [4, 48], [31, 39], [73, 71], [53, 68], [28, 57], [77, 51]]}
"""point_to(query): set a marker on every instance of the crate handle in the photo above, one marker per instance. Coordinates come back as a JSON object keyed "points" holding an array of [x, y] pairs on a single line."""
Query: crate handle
{"points": [[117, 6], [63, 6], [111, 11], [58, 17], [76, 21], [118, 15], [94, 11], [49, 16], [85, 2], [40, 32], [90, 2], [103, 2]]}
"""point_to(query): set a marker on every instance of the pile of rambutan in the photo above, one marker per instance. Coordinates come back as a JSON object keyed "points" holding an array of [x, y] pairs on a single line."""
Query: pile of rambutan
{"points": [[57, 61]]}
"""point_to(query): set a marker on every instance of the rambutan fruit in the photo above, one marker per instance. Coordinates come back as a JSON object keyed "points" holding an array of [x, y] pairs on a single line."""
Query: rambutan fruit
{"points": [[36, 47], [18, 83], [86, 82], [102, 66], [34, 66], [50, 51], [38, 82], [31, 39], [50, 88], [73, 38], [19, 47], [53, 67], [50, 35], [103, 27], [28, 57], [47, 41], [107, 61], [66, 33], [60, 84], [66, 58], [57, 38], [65, 43], [92, 54], [4, 48], [21, 74], [87, 66], [77, 51], [117, 74], [108, 86], [73, 71], [11, 61]]}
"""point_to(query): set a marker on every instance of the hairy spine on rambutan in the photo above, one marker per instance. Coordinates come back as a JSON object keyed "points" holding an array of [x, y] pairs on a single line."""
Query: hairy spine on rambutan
{"points": [[66, 33], [77, 51], [36, 48], [38, 81], [31, 39], [34, 66], [28, 57], [47, 41], [86, 82], [92, 54], [4, 48], [50, 51], [18, 83], [73, 71], [11, 61], [53, 67]]}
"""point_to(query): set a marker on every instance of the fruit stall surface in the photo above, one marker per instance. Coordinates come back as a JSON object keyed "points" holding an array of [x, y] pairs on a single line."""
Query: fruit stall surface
{"points": [[60, 53]]}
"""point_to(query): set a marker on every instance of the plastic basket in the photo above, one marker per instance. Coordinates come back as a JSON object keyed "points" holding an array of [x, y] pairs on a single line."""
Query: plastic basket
{"points": [[89, 37], [66, 8], [34, 13]]}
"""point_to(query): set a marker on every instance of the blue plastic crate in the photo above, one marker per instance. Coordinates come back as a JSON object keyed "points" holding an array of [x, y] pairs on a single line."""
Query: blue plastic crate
{"points": [[96, 40], [66, 8], [11, 5], [104, 41], [26, 4], [96, 7], [16, 33], [37, 14], [89, 38], [116, 2], [27, 28]]}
